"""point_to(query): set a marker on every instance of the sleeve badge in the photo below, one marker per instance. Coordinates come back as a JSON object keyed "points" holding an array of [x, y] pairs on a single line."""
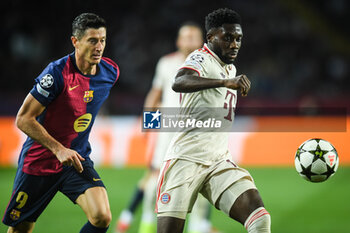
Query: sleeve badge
{"points": [[46, 81]]}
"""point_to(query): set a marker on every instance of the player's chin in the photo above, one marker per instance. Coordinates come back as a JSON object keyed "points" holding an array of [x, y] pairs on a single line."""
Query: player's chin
{"points": [[96, 60], [229, 60], [232, 57]]}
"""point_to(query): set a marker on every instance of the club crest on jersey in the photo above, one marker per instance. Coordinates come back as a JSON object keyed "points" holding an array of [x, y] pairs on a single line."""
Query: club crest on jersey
{"points": [[165, 198], [15, 214], [88, 96]]}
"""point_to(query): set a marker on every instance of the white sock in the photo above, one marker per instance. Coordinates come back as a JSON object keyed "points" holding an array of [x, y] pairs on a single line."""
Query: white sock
{"points": [[149, 201], [126, 217], [198, 222], [259, 221]]}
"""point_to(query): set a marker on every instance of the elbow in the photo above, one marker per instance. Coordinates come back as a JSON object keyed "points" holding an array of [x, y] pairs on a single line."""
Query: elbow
{"points": [[177, 87], [20, 122]]}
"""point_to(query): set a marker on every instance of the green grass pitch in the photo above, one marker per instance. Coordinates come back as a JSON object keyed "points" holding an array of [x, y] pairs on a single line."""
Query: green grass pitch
{"points": [[295, 205]]}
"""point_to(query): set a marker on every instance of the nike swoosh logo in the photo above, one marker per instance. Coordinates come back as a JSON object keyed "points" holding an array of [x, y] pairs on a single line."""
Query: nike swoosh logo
{"points": [[72, 88], [95, 179]]}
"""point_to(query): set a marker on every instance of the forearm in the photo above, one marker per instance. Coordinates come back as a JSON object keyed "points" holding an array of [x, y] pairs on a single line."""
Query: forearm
{"points": [[153, 98], [32, 128], [191, 83]]}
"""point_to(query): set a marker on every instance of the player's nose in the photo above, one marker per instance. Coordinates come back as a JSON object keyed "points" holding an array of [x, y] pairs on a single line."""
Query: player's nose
{"points": [[234, 45], [99, 46]]}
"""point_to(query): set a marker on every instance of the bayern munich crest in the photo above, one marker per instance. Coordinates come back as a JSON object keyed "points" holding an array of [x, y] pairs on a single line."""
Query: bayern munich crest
{"points": [[165, 198]]}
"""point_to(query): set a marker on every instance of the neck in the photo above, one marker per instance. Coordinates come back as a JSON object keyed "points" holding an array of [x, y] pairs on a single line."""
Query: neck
{"points": [[215, 54], [84, 66]]}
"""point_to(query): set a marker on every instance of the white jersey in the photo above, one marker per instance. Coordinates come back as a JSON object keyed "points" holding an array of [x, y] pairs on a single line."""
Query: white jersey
{"points": [[166, 70], [206, 147]]}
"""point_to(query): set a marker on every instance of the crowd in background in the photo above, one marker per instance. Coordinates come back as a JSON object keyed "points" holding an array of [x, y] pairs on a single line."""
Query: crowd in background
{"points": [[296, 53]]}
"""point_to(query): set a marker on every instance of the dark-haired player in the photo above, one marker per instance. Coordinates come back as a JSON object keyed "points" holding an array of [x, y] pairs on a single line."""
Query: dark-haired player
{"points": [[199, 162], [57, 115]]}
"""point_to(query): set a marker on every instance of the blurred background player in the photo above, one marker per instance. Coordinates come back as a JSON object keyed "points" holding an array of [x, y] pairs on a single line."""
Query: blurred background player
{"points": [[189, 38], [57, 115], [199, 162]]}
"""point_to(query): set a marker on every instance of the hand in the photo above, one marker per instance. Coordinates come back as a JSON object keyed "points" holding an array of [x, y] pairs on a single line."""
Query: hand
{"points": [[70, 157], [240, 82]]}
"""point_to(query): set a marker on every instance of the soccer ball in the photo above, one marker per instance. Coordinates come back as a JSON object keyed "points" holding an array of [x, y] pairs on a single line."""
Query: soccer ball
{"points": [[316, 160]]}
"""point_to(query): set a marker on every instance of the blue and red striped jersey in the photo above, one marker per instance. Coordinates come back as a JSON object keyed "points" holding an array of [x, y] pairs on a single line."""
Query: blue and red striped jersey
{"points": [[72, 102]]}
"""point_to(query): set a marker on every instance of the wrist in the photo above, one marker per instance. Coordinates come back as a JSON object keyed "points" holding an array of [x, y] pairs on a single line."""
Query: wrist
{"points": [[56, 148], [224, 83]]}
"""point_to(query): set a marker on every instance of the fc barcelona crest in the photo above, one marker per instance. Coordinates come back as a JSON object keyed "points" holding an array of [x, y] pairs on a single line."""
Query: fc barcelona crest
{"points": [[88, 96], [15, 214]]}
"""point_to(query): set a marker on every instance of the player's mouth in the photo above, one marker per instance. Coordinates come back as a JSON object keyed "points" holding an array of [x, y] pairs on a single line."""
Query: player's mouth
{"points": [[233, 54], [96, 57]]}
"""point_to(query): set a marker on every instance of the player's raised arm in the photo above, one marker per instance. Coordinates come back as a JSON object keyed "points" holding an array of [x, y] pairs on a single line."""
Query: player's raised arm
{"points": [[26, 122], [187, 80]]}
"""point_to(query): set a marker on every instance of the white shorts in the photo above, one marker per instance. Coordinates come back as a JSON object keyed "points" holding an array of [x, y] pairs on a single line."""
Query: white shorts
{"points": [[180, 181]]}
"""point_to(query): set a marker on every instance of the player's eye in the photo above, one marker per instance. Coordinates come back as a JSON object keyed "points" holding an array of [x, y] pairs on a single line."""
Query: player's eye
{"points": [[227, 38], [92, 41]]}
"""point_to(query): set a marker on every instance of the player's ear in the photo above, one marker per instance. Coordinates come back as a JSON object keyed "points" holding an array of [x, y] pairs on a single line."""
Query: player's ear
{"points": [[74, 41], [209, 37], [178, 42]]}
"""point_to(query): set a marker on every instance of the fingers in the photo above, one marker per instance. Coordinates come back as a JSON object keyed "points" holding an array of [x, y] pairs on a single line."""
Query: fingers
{"points": [[245, 85], [77, 164], [67, 163], [80, 157], [72, 158]]}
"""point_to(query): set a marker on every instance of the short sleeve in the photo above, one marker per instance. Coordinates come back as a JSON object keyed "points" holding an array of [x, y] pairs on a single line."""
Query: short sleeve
{"points": [[48, 85], [195, 61]]}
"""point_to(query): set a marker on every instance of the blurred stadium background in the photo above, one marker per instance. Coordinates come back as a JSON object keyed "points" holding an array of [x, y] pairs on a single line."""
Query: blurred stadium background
{"points": [[296, 54]]}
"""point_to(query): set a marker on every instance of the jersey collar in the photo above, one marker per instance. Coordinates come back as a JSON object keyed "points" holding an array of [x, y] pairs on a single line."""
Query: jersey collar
{"points": [[74, 62]]}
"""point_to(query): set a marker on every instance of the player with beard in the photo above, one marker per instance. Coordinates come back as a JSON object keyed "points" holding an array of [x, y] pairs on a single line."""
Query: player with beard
{"points": [[199, 162]]}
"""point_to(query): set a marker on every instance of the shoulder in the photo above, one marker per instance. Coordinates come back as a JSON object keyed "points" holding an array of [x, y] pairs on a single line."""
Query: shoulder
{"points": [[110, 62], [199, 56], [197, 60], [53, 71], [171, 57], [111, 67], [58, 65]]}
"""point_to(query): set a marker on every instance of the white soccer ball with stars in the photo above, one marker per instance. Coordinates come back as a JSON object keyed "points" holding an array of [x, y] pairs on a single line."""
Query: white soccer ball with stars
{"points": [[316, 160], [46, 81]]}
